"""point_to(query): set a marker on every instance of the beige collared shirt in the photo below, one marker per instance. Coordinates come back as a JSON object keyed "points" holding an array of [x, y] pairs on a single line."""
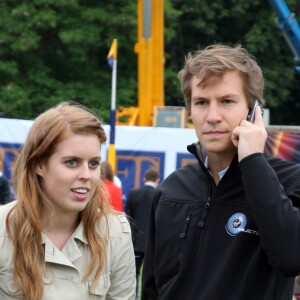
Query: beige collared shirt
{"points": [[67, 267]]}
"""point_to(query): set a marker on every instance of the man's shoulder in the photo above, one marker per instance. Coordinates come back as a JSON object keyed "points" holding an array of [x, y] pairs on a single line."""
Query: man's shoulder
{"points": [[279, 164], [187, 171], [3, 179], [181, 180], [138, 190], [288, 173], [135, 193]]}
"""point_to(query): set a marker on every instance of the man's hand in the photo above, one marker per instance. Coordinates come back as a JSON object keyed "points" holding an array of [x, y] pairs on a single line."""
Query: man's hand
{"points": [[250, 138]]}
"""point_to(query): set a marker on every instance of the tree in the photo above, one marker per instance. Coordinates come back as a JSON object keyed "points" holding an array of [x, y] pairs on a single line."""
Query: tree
{"points": [[250, 23], [56, 50]]}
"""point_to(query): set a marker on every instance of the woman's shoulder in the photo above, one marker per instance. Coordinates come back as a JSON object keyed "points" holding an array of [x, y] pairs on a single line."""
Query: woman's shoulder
{"points": [[6, 245], [4, 210], [118, 225], [7, 207]]}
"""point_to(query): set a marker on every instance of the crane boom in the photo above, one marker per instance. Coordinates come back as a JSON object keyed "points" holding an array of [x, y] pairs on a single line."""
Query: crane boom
{"points": [[150, 52], [289, 25]]}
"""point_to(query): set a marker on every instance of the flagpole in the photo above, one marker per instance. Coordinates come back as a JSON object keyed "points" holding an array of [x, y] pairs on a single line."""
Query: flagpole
{"points": [[112, 150]]}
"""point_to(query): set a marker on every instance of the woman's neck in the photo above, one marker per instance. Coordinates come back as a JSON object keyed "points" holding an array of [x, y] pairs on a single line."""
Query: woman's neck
{"points": [[60, 229]]}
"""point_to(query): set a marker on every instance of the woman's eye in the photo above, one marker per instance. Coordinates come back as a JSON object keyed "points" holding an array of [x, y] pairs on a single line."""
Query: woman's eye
{"points": [[71, 163], [94, 163]]}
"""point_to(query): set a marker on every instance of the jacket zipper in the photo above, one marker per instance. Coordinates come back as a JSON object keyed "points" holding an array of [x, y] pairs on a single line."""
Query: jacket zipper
{"points": [[182, 236], [184, 229], [201, 223], [200, 226], [204, 213]]}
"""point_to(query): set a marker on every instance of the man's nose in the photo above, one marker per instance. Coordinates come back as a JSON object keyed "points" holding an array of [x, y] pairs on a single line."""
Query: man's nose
{"points": [[213, 113]]}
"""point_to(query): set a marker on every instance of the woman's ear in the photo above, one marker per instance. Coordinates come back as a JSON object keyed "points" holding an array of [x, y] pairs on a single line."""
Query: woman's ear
{"points": [[40, 169]]}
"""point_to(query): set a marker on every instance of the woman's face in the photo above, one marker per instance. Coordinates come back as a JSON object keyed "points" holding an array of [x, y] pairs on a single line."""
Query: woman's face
{"points": [[72, 173]]}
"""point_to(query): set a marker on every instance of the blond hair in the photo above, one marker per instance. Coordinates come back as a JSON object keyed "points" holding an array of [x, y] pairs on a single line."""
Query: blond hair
{"points": [[211, 64]]}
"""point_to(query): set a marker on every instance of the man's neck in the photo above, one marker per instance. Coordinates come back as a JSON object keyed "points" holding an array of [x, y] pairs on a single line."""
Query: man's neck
{"points": [[151, 183], [216, 164]]}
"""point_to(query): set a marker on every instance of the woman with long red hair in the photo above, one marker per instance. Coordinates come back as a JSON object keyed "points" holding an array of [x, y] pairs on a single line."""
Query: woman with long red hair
{"points": [[61, 239]]}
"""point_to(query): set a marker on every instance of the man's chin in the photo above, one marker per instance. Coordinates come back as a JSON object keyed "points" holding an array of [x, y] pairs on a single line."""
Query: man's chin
{"points": [[219, 149]]}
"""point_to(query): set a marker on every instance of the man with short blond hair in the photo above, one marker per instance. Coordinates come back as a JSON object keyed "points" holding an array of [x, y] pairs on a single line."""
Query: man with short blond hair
{"points": [[228, 226]]}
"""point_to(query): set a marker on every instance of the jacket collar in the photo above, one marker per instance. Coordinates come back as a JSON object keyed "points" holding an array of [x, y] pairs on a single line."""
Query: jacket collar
{"points": [[200, 154]]}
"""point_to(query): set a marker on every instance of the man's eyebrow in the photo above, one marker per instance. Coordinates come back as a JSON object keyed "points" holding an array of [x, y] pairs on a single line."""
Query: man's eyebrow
{"points": [[199, 98], [228, 96]]}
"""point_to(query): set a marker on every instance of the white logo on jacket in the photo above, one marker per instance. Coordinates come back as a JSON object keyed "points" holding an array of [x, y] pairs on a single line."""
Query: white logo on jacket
{"points": [[237, 223]]}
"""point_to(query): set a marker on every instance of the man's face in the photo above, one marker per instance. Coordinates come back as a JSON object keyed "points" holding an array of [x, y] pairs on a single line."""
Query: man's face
{"points": [[216, 109]]}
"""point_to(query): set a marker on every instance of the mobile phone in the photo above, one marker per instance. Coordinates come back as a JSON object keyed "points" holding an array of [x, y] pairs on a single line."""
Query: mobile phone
{"points": [[251, 114]]}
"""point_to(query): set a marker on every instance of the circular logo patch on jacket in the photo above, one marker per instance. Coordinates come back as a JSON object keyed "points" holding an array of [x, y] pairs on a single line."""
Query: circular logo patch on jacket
{"points": [[236, 224]]}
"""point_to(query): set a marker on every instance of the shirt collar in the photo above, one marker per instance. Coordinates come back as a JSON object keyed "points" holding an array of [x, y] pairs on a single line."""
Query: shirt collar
{"points": [[79, 234], [150, 183], [70, 250], [221, 173]]}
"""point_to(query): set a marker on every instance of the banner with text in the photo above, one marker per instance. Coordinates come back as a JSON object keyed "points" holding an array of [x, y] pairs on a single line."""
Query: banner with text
{"points": [[139, 148]]}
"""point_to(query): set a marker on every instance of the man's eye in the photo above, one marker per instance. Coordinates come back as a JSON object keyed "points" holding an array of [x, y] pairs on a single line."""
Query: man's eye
{"points": [[94, 163], [71, 162], [201, 103], [227, 101]]}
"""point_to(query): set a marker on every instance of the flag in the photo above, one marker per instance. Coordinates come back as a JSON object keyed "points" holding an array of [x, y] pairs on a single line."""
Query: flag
{"points": [[112, 62], [112, 54]]}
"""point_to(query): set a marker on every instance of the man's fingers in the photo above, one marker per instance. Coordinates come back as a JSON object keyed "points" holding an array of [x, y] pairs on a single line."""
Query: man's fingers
{"points": [[259, 121]]}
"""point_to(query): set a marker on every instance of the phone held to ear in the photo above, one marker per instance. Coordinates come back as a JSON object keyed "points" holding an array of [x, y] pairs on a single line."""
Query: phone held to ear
{"points": [[251, 114]]}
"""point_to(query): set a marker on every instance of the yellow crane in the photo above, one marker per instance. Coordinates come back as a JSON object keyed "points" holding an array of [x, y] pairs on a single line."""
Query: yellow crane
{"points": [[150, 53]]}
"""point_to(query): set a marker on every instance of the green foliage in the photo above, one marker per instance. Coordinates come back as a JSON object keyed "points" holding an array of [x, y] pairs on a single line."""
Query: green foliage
{"points": [[250, 23], [56, 50]]}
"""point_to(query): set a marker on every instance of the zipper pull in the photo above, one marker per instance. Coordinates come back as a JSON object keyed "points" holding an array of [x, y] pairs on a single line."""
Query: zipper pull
{"points": [[204, 213], [207, 204], [186, 223]]}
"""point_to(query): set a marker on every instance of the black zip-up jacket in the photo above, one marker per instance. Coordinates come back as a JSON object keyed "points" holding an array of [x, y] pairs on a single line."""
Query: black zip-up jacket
{"points": [[239, 240]]}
